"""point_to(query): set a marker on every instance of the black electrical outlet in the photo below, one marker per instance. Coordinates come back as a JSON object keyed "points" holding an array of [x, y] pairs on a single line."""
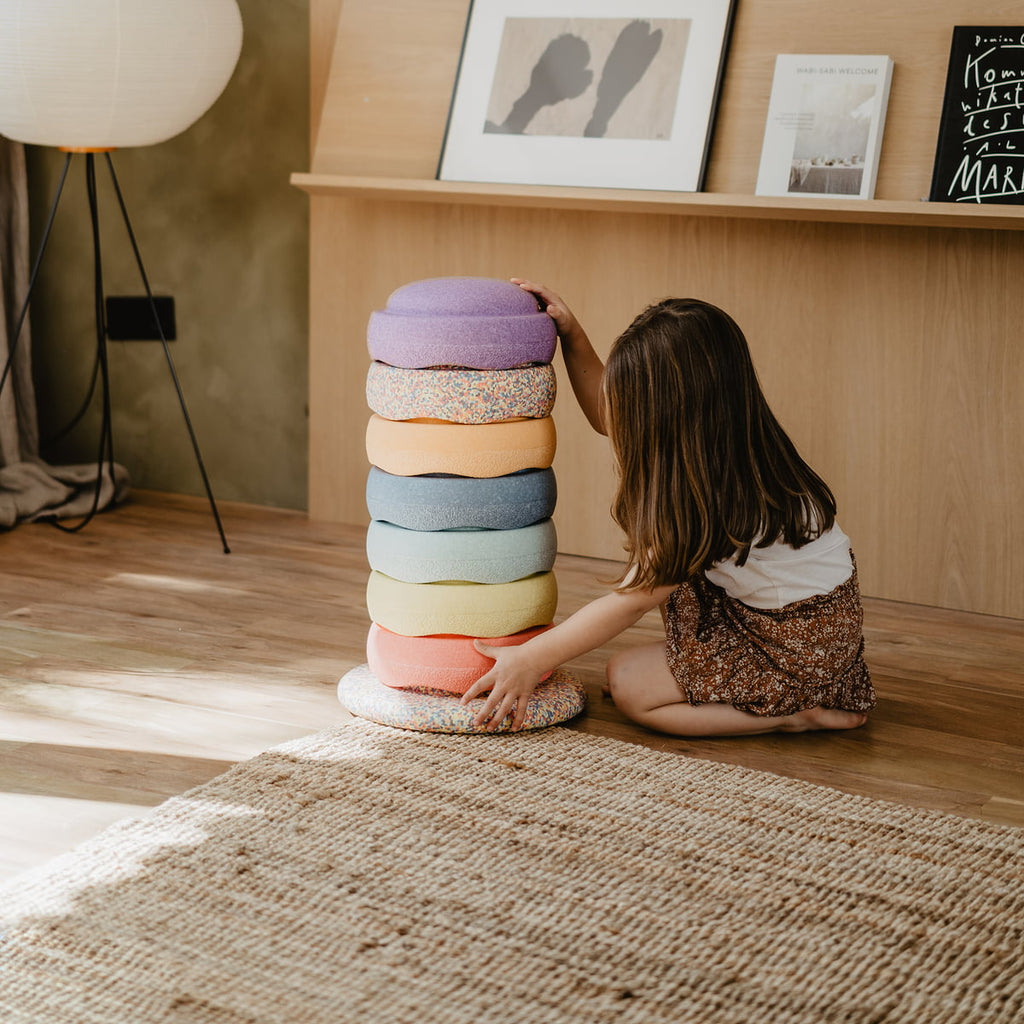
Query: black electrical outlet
{"points": [[130, 318]]}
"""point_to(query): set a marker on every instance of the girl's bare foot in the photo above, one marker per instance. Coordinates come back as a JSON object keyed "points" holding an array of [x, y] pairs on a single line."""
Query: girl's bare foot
{"points": [[824, 718]]}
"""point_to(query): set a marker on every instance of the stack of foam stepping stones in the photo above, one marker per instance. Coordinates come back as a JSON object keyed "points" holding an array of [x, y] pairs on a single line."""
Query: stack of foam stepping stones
{"points": [[460, 493]]}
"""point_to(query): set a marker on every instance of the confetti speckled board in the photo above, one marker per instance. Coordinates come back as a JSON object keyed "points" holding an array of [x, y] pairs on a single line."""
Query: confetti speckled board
{"points": [[560, 698]]}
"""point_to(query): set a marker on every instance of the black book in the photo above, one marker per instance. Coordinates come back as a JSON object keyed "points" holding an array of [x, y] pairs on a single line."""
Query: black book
{"points": [[980, 152]]}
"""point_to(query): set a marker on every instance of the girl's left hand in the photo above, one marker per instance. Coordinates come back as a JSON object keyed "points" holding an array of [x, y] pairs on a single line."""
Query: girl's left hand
{"points": [[510, 681]]}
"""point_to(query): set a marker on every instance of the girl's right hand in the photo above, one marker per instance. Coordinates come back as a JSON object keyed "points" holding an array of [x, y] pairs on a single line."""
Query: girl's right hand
{"points": [[566, 324], [582, 362], [507, 685]]}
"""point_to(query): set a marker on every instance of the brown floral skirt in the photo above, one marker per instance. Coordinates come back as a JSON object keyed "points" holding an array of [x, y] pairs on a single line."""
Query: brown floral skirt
{"points": [[768, 662]]}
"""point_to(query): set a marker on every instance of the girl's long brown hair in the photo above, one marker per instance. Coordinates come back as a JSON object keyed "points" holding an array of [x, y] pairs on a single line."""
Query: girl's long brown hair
{"points": [[705, 469]]}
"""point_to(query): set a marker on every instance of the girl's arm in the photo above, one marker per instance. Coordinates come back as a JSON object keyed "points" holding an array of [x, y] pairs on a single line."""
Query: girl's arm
{"points": [[584, 367], [518, 670]]}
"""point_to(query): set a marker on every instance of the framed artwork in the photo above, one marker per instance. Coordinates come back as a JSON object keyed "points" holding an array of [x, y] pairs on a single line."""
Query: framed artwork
{"points": [[602, 93]]}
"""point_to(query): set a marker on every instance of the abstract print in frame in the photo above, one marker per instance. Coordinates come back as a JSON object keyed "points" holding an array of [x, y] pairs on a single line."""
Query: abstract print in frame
{"points": [[599, 93]]}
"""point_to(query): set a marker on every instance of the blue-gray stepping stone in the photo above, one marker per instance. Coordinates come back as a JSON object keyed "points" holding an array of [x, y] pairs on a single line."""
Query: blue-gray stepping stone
{"points": [[441, 502]]}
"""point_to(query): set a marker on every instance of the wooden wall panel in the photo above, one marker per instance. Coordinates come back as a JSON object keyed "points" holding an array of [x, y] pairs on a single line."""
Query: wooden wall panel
{"points": [[324, 16], [892, 378], [391, 79]]}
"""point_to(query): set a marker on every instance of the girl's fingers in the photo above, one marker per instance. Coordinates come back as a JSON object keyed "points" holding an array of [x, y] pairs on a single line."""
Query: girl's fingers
{"points": [[499, 716], [495, 710], [485, 649], [483, 684], [546, 295], [489, 716], [520, 719], [479, 689], [474, 691], [527, 286], [482, 715], [491, 703]]}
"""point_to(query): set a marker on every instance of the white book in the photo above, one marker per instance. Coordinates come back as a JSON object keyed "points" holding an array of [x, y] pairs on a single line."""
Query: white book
{"points": [[823, 134]]}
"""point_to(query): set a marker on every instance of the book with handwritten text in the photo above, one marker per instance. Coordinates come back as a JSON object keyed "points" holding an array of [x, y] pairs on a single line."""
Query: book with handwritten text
{"points": [[823, 133], [979, 157]]}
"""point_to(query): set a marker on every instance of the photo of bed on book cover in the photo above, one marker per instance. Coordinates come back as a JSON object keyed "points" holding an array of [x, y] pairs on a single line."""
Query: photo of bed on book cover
{"points": [[823, 132]]}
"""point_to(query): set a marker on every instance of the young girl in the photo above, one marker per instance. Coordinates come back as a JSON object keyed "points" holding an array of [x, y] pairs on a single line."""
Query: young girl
{"points": [[728, 531]]}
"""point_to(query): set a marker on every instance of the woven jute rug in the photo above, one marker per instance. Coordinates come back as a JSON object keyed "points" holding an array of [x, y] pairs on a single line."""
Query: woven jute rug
{"points": [[368, 874]]}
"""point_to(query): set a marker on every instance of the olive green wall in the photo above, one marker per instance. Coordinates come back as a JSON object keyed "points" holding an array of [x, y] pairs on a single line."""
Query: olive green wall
{"points": [[222, 231]]}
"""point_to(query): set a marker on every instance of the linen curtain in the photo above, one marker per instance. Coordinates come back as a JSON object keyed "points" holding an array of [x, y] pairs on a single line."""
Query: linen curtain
{"points": [[30, 489]]}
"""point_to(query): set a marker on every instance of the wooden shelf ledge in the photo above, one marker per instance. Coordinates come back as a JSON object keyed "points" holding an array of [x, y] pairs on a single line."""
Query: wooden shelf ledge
{"points": [[680, 204]]}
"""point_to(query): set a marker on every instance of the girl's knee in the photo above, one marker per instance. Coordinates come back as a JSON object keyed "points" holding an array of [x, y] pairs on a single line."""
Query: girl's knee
{"points": [[620, 671], [613, 677], [639, 680]]}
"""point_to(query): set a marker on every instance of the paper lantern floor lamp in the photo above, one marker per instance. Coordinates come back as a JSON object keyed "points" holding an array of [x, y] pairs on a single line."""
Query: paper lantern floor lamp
{"points": [[92, 76], [460, 494]]}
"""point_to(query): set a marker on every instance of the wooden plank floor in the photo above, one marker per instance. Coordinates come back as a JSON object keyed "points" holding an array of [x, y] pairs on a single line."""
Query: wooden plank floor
{"points": [[138, 660]]}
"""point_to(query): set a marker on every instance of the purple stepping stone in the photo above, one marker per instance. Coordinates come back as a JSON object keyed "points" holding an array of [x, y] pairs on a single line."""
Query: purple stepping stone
{"points": [[477, 322]]}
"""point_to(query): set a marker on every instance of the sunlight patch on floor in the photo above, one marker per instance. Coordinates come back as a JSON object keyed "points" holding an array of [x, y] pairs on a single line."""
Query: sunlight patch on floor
{"points": [[68, 825], [181, 584], [36, 828]]}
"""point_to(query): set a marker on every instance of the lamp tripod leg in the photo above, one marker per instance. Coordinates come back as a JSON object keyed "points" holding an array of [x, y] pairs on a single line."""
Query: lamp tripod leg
{"points": [[167, 356], [106, 447]]}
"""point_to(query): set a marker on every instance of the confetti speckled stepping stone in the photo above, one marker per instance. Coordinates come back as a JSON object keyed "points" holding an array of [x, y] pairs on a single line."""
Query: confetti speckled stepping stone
{"points": [[461, 396], [557, 700]]}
